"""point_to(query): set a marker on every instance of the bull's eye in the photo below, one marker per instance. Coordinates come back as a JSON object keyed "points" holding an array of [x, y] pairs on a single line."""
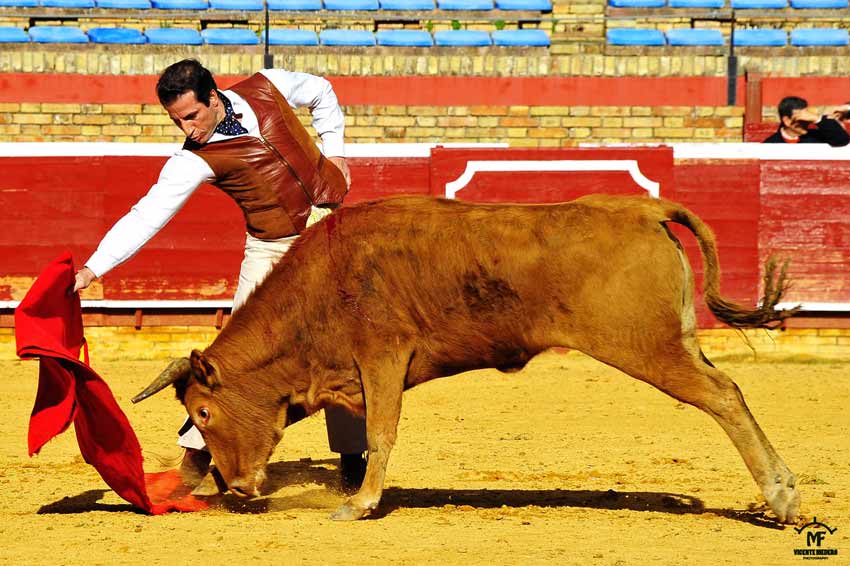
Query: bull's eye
{"points": [[204, 414]]}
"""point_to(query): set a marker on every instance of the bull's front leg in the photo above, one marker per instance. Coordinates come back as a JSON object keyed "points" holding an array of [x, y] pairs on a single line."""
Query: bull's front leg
{"points": [[383, 385]]}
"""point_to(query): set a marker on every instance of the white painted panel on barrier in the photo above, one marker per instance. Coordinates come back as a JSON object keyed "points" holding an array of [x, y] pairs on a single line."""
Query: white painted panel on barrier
{"points": [[628, 165]]}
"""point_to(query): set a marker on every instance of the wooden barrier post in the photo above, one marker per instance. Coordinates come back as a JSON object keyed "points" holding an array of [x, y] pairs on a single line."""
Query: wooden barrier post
{"points": [[753, 103]]}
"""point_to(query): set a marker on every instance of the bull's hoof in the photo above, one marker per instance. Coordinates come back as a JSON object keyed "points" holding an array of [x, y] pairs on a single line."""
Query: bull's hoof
{"points": [[348, 512], [784, 500]]}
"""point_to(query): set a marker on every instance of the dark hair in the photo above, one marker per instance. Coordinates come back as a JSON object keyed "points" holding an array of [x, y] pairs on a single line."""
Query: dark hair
{"points": [[790, 103], [184, 76]]}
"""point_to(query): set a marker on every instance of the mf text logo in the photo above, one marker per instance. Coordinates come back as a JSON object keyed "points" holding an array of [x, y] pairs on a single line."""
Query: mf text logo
{"points": [[816, 534]]}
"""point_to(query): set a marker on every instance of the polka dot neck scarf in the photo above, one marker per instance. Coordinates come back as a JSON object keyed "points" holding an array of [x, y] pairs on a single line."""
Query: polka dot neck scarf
{"points": [[230, 126]]}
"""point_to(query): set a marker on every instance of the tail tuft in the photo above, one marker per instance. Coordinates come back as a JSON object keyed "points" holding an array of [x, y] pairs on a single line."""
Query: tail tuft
{"points": [[726, 311], [765, 315]]}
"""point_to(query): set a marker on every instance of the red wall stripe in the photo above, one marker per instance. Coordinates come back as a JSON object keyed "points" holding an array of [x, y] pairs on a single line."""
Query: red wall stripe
{"points": [[446, 91], [818, 91], [77, 89], [534, 91], [402, 91]]}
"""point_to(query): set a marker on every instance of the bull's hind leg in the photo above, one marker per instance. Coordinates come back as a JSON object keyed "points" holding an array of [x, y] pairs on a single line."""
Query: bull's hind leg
{"points": [[696, 382], [383, 385]]}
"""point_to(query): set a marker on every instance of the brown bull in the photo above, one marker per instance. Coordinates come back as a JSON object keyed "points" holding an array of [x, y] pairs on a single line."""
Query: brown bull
{"points": [[386, 295]]}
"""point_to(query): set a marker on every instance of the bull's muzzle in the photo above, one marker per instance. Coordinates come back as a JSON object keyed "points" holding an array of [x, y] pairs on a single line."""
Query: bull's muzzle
{"points": [[244, 487]]}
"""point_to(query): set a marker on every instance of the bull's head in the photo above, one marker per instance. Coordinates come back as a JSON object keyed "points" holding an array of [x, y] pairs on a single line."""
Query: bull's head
{"points": [[240, 422]]}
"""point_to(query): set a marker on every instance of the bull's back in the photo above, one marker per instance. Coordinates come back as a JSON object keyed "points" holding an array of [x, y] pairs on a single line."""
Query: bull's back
{"points": [[450, 237], [483, 285]]}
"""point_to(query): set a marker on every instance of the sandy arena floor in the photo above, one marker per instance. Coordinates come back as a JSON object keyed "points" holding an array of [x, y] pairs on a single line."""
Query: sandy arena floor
{"points": [[566, 462]]}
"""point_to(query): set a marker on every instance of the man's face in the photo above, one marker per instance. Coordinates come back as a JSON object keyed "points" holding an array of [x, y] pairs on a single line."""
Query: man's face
{"points": [[196, 119], [800, 120], [797, 127]]}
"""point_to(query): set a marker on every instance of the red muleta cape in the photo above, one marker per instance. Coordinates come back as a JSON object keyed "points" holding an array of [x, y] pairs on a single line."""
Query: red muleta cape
{"points": [[49, 326]]}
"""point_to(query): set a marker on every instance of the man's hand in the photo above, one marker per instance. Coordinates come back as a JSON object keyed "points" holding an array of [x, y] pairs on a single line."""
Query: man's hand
{"points": [[840, 112], [83, 279], [343, 166], [805, 116]]}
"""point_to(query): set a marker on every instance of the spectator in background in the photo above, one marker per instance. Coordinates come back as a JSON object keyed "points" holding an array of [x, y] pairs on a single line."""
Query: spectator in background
{"points": [[801, 124]]}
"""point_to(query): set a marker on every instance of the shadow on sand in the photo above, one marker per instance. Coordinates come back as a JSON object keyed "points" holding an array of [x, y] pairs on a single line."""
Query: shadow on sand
{"points": [[324, 473], [83, 503]]}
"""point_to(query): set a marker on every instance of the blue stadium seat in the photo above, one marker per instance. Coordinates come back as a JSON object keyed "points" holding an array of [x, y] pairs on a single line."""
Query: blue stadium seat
{"points": [[10, 34], [465, 4], [637, 3], [804, 37], [760, 37], [229, 36], [296, 5], [127, 36], [351, 4], [521, 37], [691, 36], [180, 4], [237, 5], [708, 4], [462, 38], [67, 3], [357, 37], [291, 37], [407, 5], [173, 36], [57, 34], [759, 4], [124, 4], [635, 36], [405, 38], [18, 3], [533, 5], [819, 4]]}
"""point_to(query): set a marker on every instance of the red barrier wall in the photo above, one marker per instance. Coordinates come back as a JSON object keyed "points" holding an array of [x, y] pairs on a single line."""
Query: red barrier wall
{"points": [[726, 196], [806, 220], [799, 209], [55, 203]]}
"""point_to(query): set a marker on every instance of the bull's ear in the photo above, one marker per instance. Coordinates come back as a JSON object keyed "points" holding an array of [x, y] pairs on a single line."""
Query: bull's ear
{"points": [[204, 370]]}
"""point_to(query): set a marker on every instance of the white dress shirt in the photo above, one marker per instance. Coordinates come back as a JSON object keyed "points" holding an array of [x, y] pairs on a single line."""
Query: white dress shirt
{"points": [[184, 171]]}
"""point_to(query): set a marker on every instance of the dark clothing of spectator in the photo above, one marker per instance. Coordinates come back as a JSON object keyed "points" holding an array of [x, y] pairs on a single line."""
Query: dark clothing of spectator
{"points": [[826, 130]]}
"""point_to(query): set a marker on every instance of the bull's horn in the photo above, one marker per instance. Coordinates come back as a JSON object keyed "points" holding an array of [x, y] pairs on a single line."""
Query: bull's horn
{"points": [[175, 370]]}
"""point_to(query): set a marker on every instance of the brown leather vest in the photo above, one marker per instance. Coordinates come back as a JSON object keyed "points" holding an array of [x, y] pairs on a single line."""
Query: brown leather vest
{"points": [[274, 179]]}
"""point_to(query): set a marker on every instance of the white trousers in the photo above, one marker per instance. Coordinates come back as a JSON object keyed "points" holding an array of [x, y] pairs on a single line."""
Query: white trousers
{"points": [[346, 432]]}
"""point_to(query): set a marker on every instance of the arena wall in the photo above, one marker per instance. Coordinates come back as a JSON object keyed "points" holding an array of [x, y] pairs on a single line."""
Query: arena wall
{"points": [[757, 202], [576, 92]]}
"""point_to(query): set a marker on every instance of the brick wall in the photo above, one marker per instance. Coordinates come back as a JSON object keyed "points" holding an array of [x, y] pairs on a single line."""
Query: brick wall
{"points": [[520, 126]]}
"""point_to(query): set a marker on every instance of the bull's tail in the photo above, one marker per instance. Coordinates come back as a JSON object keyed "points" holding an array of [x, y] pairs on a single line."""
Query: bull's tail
{"points": [[729, 312]]}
